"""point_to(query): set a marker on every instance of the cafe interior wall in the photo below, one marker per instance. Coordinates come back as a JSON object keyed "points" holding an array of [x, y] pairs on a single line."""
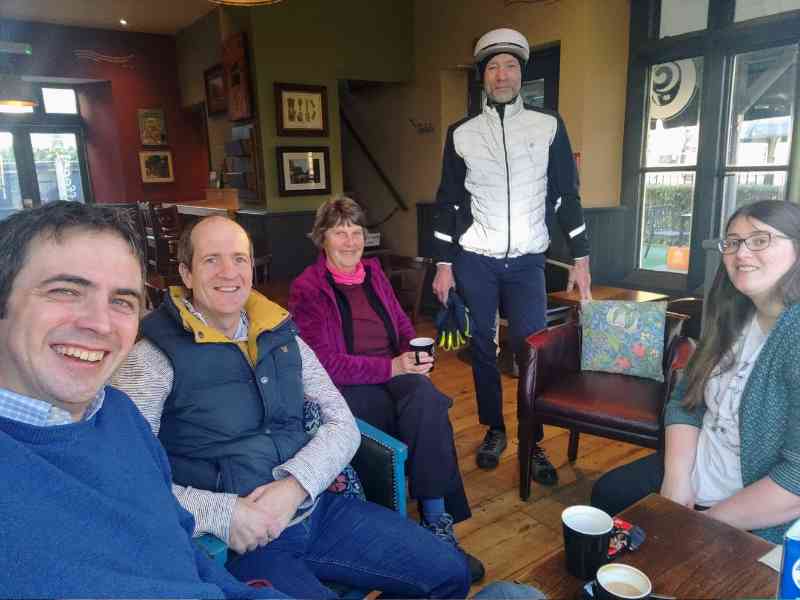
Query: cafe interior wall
{"points": [[127, 71], [317, 42], [593, 36]]}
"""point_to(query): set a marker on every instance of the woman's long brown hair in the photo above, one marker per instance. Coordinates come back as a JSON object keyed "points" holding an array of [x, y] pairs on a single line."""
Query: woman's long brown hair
{"points": [[728, 310]]}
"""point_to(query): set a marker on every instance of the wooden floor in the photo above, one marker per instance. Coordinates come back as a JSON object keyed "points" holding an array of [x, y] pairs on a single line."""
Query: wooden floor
{"points": [[507, 534]]}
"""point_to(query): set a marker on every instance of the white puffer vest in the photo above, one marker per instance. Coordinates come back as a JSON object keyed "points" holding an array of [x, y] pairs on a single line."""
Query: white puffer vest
{"points": [[507, 181]]}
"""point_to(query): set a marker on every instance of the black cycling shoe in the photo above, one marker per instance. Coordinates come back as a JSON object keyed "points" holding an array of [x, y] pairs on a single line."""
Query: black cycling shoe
{"points": [[491, 448], [542, 470]]}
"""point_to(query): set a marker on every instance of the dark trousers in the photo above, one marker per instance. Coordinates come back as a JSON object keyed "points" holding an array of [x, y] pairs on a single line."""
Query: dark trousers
{"points": [[618, 489], [484, 282], [410, 408]]}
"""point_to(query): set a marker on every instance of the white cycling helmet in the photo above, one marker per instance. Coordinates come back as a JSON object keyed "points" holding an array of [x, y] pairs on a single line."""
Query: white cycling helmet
{"points": [[499, 41]]}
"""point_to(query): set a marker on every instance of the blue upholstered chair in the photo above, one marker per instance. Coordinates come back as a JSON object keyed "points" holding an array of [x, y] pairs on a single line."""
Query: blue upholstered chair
{"points": [[380, 465]]}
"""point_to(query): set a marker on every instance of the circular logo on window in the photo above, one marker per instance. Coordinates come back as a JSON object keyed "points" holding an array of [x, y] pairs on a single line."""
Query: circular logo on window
{"points": [[671, 89]]}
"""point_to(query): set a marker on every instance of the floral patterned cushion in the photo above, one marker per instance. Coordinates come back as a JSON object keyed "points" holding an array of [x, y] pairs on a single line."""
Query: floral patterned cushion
{"points": [[623, 337], [346, 482]]}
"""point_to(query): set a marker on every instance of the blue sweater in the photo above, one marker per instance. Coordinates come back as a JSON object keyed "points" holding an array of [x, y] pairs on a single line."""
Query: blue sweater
{"points": [[87, 511]]}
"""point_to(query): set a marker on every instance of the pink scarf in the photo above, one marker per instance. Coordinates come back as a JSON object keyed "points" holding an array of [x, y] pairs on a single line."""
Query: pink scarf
{"points": [[340, 277]]}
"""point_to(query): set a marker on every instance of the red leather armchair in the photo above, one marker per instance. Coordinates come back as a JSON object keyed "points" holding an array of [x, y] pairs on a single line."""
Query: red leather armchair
{"points": [[554, 391]]}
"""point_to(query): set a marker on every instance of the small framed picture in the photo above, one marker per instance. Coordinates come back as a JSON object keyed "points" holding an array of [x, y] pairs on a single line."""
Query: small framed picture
{"points": [[303, 171], [156, 166], [301, 109], [152, 128], [216, 90]]}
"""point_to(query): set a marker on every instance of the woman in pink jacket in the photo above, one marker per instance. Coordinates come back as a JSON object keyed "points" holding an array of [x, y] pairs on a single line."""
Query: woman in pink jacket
{"points": [[348, 313]]}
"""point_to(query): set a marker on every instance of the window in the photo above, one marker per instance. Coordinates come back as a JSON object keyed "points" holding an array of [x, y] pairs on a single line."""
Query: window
{"points": [[42, 153], [682, 16], [60, 101], [709, 124], [760, 124], [669, 168], [752, 9]]}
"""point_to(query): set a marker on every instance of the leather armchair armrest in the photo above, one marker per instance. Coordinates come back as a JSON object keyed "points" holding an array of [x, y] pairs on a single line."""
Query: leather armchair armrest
{"points": [[380, 464], [548, 354], [679, 352]]}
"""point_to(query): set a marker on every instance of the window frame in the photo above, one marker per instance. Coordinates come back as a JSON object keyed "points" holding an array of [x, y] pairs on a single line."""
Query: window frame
{"points": [[21, 125], [717, 45]]}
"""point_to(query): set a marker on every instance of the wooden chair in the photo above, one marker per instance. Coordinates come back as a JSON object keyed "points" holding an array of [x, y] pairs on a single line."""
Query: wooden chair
{"points": [[407, 276], [554, 391], [162, 228]]}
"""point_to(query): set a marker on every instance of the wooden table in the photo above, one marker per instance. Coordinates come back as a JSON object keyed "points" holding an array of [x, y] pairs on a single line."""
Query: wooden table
{"points": [[606, 292], [686, 554]]}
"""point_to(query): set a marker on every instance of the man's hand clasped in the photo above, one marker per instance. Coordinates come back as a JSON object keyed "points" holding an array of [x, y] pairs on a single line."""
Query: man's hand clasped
{"points": [[263, 515]]}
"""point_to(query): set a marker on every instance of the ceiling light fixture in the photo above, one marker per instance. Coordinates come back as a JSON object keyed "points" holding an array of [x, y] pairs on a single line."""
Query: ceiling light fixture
{"points": [[14, 92], [244, 3]]}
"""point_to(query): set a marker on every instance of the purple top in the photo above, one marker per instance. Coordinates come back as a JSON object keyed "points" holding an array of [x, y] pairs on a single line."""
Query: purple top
{"points": [[369, 333], [314, 309]]}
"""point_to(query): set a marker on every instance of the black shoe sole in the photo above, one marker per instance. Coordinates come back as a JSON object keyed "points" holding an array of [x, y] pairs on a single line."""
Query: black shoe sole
{"points": [[544, 475], [476, 569]]}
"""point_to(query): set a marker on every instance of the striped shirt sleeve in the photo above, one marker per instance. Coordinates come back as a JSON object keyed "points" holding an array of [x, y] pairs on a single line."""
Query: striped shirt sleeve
{"points": [[147, 376], [318, 463]]}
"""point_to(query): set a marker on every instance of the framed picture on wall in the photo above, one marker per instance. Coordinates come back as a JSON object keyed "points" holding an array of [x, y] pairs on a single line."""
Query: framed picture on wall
{"points": [[303, 171], [152, 127], [237, 77], [301, 109], [156, 166], [216, 90]]}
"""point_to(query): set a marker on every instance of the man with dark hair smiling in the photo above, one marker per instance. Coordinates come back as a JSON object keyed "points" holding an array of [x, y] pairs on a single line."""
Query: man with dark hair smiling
{"points": [[86, 507]]}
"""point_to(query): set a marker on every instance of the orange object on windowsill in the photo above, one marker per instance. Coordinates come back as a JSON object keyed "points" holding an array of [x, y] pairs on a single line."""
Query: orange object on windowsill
{"points": [[678, 258]]}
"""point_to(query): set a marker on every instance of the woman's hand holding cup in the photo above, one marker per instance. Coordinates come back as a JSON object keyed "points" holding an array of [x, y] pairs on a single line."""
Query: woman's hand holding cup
{"points": [[406, 363]]}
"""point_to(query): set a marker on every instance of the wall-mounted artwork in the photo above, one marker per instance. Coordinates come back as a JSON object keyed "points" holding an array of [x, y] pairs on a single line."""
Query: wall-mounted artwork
{"points": [[303, 171], [237, 71], [156, 166], [301, 109], [216, 90], [152, 127]]}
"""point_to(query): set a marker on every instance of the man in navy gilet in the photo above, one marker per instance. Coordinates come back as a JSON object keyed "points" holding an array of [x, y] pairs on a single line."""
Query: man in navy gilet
{"points": [[86, 506], [223, 379]]}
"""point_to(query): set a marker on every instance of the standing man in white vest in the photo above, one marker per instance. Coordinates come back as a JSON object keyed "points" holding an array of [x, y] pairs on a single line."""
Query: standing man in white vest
{"points": [[507, 173]]}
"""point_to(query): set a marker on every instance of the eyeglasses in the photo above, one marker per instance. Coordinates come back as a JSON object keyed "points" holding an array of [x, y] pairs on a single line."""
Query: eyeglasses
{"points": [[756, 242]]}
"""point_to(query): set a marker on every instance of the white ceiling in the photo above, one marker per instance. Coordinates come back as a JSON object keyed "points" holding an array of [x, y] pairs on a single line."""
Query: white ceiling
{"points": [[151, 16]]}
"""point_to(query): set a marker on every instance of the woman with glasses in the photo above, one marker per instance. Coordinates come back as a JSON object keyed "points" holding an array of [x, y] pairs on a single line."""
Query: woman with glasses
{"points": [[733, 422]]}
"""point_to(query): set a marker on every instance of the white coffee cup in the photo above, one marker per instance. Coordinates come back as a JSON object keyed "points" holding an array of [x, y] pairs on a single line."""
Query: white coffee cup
{"points": [[617, 581]]}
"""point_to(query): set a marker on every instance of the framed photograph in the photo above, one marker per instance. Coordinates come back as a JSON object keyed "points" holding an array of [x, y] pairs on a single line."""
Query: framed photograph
{"points": [[303, 171], [156, 166], [216, 90], [301, 109], [237, 70], [152, 127]]}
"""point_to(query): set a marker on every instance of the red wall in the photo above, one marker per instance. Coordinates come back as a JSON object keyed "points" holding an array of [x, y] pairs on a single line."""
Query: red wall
{"points": [[148, 80]]}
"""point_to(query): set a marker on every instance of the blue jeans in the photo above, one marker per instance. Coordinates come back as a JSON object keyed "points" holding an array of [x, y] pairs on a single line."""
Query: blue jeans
{"points": [[484, 283], [361, 545]]}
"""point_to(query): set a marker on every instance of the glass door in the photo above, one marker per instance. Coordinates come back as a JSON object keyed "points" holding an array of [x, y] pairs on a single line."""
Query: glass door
{"points": [[10, 193], [57, 167]]}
